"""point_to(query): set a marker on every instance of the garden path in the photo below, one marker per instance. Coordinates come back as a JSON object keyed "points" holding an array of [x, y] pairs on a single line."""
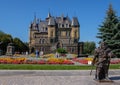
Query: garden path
{"points": [[53, 77]]}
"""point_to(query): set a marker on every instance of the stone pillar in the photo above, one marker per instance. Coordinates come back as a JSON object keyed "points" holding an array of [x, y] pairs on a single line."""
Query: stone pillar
{"points": [[80, 48], [10, 49]]}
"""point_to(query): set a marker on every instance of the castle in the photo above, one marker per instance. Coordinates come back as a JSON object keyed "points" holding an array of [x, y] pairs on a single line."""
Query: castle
{"points": [[53, 33]]}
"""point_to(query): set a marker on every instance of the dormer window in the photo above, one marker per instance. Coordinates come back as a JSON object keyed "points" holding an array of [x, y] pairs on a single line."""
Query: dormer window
{"points": [[62, 25], [67, 25]]}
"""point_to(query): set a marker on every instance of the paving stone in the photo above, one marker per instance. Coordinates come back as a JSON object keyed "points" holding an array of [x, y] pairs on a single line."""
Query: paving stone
{"points": [[54, 77]]}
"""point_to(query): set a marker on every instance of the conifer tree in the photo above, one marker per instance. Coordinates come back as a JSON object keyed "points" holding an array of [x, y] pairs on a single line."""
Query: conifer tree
{"points": [[115, 41], [109, 31]]}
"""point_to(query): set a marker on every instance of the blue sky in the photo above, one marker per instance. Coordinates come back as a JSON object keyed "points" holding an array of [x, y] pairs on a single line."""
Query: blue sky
{"points": [[16, 15]]}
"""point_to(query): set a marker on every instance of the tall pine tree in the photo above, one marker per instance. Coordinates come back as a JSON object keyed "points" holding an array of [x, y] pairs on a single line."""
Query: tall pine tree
{"points": [[115, 41], [109, 31]]}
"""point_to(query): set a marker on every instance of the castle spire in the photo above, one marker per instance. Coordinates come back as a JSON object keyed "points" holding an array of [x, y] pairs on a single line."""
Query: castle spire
{"points": [[35, 20], [49, 15]]}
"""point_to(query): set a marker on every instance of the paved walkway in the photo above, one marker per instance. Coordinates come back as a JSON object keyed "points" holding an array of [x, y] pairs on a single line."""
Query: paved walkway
{"points": [[54, 77]]}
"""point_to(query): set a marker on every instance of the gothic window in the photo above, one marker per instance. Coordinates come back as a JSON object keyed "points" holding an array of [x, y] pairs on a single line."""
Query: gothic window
{"points": [[43, 41], [46, 28], [40, 41], [51, 33], [75, 34], [72, 49]]}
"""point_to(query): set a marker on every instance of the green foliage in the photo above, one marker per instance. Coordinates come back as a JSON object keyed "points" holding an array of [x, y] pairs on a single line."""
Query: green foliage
{"points": [[89, 47], [109, 31], [19, 45], [1, 33], [61, 50], [7, 38]]}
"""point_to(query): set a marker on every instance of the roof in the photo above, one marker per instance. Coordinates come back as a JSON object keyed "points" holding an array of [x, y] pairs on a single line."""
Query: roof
{"points": [[42, 24], [75, 21], [60, 20], [51, 21]]}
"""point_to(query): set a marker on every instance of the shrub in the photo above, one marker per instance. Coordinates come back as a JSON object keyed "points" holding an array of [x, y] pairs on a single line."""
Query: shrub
{"points": [[61, 50]]}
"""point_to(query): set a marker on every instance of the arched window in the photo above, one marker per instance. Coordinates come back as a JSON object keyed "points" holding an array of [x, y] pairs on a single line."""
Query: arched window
{"points": [[46, 29], [43, 41], [75, 34], [40, 41], [72, 49]]}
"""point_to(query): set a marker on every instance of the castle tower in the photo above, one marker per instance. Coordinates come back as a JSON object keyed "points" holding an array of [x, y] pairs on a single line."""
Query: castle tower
{"points": [[51, 30], [75, 30], [33, 28]]}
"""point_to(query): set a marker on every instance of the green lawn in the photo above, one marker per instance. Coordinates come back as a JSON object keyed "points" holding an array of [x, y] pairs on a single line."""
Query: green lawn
{"points": [[49, 67]]}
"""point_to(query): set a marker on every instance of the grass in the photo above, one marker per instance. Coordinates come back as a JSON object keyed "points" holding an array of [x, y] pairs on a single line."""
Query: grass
{"points": [[49, 67]]}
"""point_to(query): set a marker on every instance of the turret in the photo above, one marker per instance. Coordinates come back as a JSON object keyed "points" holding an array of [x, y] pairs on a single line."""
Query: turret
{"points": [[33, 28], [75, 22], [49, 15], [51, 29], [75, 29]]}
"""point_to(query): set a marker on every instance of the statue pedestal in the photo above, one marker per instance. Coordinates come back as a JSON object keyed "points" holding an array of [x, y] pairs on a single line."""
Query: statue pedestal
{"points": [[104, 81], [10, 49]]}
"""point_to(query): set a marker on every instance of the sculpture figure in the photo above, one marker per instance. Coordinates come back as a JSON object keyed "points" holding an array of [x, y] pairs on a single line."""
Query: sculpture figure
{"points": [[102, 58]]}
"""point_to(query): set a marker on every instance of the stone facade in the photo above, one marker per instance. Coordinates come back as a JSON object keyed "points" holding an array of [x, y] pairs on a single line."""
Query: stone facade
{"points": [[54, 32]]}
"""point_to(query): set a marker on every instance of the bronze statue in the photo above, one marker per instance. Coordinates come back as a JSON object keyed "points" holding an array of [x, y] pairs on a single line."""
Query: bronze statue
{"points": [[102, 58]]}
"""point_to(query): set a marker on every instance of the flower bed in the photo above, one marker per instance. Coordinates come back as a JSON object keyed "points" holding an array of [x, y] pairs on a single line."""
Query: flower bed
{"points": [[59, 61], [87, 60], [83, 60], [10, 60], [115, 61]]}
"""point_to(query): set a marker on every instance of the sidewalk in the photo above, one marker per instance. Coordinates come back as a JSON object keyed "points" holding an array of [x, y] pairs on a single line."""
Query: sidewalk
{"points": [[54, 77]]}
